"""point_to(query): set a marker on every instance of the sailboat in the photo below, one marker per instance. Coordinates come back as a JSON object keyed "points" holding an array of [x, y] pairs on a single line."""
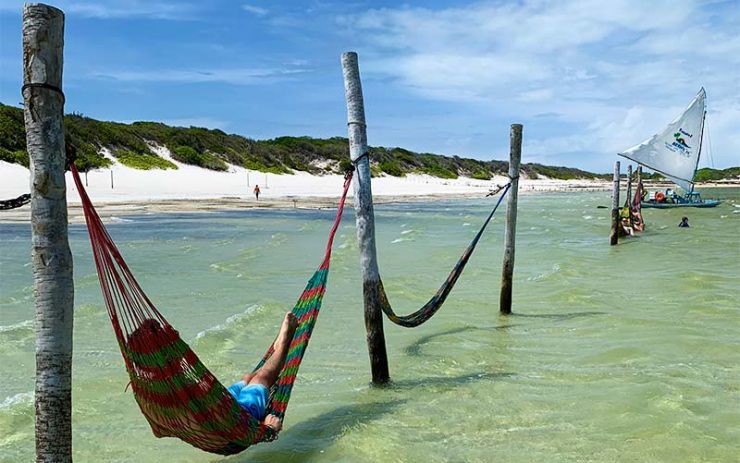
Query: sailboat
{"points": [[675, 153]]}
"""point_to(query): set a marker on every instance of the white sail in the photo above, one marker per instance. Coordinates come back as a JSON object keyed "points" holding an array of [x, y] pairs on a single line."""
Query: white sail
{"points": [[675, 151]]}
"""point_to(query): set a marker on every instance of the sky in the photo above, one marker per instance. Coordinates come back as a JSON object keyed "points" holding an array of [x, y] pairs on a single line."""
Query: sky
{"points": [[587, 78]]}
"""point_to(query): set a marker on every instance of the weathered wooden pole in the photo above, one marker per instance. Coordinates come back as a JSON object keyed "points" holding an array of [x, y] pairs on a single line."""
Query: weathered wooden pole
{"points": [[507, 275], [363, 197], [629, 182], [614, 234], [43, 43]]}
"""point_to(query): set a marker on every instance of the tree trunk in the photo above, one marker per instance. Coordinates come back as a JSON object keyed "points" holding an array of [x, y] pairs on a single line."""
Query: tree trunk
{"points": [[365, 219], [507, 273], [43, 42], [614, 234]]}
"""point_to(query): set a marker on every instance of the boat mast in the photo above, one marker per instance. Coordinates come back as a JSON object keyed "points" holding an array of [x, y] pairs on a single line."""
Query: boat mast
{"points": [[698, 156]]}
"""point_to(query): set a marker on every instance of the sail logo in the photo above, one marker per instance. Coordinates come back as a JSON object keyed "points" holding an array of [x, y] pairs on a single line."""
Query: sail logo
{"points": [[679, 144]]}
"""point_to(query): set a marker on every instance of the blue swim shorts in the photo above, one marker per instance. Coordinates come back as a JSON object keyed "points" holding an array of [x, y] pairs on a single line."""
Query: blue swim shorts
{"points": [[253, 397]]}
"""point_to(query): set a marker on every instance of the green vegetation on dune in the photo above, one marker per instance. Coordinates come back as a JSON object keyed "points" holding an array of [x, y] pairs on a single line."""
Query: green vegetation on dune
{"points": [[15, 157], [709, 175], [142, 161], [188, 155], [558, 172], [132, 145]]}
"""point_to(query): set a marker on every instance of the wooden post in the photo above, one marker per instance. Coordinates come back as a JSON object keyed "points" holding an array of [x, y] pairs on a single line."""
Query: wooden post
{"points": [[629, 182], [111, 179], [515, 157], [363, 197], [639, 180], [43, 44], [614, 234]]}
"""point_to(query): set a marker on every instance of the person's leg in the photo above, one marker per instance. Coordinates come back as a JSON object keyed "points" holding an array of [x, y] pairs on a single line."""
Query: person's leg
{"points": [[267, 374]]}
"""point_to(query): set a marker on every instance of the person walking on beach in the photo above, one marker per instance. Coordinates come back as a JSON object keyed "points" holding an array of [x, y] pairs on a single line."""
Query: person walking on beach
{"points": [[257, 192], [252, 391], [684, 222]]}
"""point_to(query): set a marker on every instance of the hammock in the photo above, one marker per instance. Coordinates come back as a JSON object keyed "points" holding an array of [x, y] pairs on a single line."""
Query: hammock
{"points": [[14, 203], [435, 303], [177, 394]]}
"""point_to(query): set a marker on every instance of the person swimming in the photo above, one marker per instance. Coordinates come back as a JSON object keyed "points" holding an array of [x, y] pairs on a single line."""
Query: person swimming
{"points": [[684, 222]]}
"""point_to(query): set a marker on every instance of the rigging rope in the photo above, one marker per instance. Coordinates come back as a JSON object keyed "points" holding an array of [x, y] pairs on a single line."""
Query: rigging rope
{"points": [[435, 303]]}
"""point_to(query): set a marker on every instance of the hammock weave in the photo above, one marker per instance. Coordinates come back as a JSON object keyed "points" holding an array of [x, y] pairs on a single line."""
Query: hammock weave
{"points": [[435, 303], [15, 203], [177, 394]]}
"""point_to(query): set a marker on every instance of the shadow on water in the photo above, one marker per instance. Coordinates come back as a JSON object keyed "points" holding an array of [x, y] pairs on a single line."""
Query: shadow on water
{"points": [[319, 432], [415, 347], [557, 316], [446, 381], [307, 439]]}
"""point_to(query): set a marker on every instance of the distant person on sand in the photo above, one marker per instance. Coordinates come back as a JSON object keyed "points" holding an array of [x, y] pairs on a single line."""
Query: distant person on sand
{"points": [[257, 192], [684, 222]]}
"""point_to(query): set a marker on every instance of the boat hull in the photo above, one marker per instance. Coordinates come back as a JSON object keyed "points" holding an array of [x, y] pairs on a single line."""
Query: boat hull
{"points": [[705, 203]]}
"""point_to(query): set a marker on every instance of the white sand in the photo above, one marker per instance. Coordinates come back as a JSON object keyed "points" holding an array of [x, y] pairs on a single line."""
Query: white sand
{"points": [[195, 188], [190, 182]]}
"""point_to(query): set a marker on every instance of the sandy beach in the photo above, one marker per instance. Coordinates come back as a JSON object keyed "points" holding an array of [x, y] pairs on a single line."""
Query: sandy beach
{"points": [[121, 190]]}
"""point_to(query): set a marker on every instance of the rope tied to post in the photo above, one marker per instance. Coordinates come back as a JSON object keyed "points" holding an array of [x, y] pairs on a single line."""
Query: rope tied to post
{"points": [[43, 85], [46, 86], [357, 160]]}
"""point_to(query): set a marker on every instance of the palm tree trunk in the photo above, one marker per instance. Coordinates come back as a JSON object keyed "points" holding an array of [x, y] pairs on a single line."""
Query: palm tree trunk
{"points": [[43, 41]]}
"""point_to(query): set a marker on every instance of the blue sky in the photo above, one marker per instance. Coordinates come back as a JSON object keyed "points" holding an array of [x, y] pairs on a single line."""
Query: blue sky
{"points": [[587, 78]]}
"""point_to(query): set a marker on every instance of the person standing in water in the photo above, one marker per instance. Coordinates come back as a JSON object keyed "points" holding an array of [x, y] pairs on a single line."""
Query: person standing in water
{"points": [[684, 222], [257, 192]]}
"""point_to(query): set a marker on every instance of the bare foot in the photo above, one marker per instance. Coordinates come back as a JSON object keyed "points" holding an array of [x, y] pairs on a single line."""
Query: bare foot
{"points": [[287, 329], [290, 323], [272, 421]]}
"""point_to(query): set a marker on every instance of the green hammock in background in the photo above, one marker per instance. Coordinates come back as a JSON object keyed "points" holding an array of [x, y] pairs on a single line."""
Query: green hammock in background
{"points": [[435, 303]]}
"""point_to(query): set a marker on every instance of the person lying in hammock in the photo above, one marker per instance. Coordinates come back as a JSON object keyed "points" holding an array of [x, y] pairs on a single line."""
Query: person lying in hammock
{"points": [[252, 391]]}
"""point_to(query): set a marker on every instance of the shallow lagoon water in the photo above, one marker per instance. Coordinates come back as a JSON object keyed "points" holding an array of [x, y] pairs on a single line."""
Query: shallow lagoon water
{"points": [[627, 353]]}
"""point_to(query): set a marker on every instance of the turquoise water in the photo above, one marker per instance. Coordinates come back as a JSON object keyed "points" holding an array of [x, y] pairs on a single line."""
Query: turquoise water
{"points": [[627, 353]]}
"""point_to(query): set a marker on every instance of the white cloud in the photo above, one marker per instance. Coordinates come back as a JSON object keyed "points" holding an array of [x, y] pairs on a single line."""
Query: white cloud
{"points": [[613, 73], [236, 76], [257, 10]]}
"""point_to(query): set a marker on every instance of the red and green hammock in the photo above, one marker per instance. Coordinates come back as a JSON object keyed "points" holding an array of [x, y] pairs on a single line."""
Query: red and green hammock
{"points": [[177, 394]]}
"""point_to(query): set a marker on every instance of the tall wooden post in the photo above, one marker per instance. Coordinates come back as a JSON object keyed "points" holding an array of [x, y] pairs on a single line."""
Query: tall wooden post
{"points": [[363, 197], [639, 181], [43, 43], [515, 157], [629, 181], [614, 234]]}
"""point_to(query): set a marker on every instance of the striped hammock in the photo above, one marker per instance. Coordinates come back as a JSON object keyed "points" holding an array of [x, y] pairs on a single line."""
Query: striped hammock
{"points": [[177, 394], [435, 303]]}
